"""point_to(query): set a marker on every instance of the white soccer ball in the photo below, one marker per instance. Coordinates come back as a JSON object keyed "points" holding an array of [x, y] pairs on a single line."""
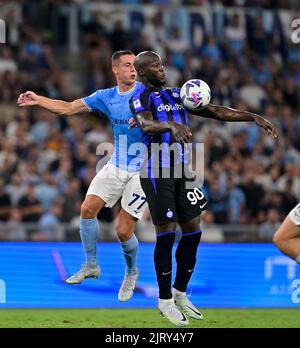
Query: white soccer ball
{"points": [[195, 94]]}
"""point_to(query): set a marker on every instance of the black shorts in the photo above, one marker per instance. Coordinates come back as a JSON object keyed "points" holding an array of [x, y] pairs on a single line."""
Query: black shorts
{"points": [[171, 201]]}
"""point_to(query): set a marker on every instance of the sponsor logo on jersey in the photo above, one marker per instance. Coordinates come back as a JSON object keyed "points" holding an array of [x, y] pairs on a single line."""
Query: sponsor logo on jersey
{"points": [[113, 103], [118, 122], [168, 107]]}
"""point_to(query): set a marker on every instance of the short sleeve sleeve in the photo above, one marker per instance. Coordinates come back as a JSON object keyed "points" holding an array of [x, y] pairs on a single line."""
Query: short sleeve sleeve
{"points": [[140, 101], [96, 101]]}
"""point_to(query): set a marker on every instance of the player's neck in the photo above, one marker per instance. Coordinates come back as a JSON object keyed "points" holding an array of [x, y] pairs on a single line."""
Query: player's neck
{"points": [[125, 88], [149, 84]]}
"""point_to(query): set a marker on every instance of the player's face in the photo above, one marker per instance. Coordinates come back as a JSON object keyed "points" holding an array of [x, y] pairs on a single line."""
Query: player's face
{"points": [[124, 70], [155, 73]]}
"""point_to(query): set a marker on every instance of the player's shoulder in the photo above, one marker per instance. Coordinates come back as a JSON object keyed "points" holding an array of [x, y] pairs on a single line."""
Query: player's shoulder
{"points": [[139, 88], [105, 93], [139, 91], [109, 92], [141, 99], [175, 91]]}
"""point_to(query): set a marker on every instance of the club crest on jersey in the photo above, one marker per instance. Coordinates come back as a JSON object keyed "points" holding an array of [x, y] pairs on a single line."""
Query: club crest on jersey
{"points": [[175, 95], [137, 103], [170, 214]]}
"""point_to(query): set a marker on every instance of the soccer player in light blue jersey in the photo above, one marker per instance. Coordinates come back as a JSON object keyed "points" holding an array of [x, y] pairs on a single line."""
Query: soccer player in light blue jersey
{"points": [[118, 178], [287, 237]]}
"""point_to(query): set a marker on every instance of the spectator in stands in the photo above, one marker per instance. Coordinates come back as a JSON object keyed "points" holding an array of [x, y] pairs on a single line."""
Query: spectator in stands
{"points": [[235, 34], [50, 224], [30, 207], [47, 192], [236, 202], [258, 39], [5, 202], [218, 202], [7, 62], [119, 37], [211, 50], [16, 189], [267, 229], [177, 46], [155, 31], [274, 201], [15, 228], [72, 200], [254, 194]]}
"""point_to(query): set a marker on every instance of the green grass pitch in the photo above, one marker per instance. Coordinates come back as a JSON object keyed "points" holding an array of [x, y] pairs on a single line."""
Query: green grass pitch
{"points": [[145, 318]]}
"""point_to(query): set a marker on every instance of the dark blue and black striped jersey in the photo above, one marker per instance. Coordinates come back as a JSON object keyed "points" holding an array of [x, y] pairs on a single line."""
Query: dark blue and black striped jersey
{"points": [[165, 105]]}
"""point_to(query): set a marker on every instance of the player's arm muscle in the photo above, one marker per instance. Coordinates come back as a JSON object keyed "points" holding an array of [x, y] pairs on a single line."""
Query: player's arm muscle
{"points": [[148, 125], [180, 132], [61, 107], [224, 113]]}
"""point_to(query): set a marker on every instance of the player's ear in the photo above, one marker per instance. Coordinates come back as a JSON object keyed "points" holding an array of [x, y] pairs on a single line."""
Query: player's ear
{"points": [[114, 69], [141, 72]]}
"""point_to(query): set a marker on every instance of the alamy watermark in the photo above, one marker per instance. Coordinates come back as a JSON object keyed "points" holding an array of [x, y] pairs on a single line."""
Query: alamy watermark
{"points": [[295, 37], [2, 31], [295, 295], [2, 291], [158, 160]]}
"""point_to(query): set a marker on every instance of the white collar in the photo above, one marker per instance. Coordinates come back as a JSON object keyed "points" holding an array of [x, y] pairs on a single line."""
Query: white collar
{"points": [[123, 93]]}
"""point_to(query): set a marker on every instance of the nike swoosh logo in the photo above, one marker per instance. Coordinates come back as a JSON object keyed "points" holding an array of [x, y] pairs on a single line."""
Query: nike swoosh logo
{"points": [[190, 270], [163, 273], [183, 317], [193, 310], [203, 205]]}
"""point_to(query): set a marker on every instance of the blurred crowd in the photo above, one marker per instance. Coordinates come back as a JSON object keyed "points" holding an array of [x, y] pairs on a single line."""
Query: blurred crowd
{"points": [[47, 162], [243, 3]]}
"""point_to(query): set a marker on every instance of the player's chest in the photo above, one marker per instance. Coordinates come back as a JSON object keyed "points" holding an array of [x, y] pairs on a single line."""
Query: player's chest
{"points": [[119, 110], [117, 105], [167, 97], [167, 101], [119, 113]]}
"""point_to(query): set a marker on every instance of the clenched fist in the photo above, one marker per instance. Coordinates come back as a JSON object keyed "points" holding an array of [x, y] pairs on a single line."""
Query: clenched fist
{"points": [[28, 99]]}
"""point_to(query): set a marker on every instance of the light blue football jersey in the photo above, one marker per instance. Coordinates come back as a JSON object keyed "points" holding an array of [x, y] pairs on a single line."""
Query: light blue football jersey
{"points": [[129, 149]]}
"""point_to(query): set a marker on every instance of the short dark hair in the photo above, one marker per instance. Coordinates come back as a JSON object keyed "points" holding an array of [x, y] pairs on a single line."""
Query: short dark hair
{"points": [[144, 58], [116, 56]]}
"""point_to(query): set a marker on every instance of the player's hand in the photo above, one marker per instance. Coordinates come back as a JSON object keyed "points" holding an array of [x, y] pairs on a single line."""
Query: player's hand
{"points": [[181, 133], [28, 99], [267, 125], [132, 123]]}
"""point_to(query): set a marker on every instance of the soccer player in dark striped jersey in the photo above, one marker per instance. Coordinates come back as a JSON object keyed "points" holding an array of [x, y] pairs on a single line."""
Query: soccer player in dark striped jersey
{"points": [[159, 112]]}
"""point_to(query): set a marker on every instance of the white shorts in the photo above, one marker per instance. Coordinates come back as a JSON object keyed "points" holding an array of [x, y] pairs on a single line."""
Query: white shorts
{"points": [[294, 215], [111, 183]]}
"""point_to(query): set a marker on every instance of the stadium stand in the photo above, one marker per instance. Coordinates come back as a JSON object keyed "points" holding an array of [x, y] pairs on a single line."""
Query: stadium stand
{"points": [[243, 52]]}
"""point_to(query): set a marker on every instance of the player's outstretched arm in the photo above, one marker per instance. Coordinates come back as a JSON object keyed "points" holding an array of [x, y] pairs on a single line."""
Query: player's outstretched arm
{"points": [[60, 107], [224, 113], [180, 132]]}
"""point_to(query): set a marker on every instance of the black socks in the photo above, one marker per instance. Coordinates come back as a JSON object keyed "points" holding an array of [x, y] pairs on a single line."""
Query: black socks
{"points": [[163, 263], [186, 254]]}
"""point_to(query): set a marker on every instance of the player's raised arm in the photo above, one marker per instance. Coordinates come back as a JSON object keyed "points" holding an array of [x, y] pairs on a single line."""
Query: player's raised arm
{"points": [[60, 107], [180, 132], [224, 113]]}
